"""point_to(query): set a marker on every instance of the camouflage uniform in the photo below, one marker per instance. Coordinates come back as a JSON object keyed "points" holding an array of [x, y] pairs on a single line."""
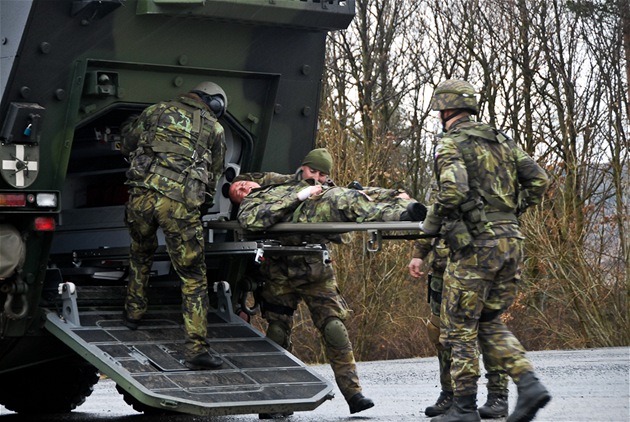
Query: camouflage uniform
{"points": [[438, 253], [482, 274], [271, 204], [290, 279], [176, 149]]}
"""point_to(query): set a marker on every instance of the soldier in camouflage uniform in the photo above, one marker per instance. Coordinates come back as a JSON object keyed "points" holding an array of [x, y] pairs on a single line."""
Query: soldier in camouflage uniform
{"points": [[291, 279], [496, 406], [176, 149], [306, 201], [485, 180]]}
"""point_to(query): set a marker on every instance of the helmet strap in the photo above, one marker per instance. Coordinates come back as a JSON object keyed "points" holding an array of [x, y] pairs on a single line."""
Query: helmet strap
{"points": [[456, 113]]}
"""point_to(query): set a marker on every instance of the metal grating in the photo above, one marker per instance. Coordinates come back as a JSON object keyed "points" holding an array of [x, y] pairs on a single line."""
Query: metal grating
{"points": [[257, 375]]}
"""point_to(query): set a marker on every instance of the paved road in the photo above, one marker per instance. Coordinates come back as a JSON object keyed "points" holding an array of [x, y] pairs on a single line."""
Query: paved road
{"points": [[587, 385]]}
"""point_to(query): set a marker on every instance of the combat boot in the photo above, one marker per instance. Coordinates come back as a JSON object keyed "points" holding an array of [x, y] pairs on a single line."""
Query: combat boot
{"points": [[415, 212], [359, 403], [532, 396], [129, 322], [496, 407], [464, 409], [203, 360], [443, 403]]}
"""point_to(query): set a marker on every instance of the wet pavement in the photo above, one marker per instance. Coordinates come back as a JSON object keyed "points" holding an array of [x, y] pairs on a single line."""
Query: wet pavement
{"points": [[586, 385]]}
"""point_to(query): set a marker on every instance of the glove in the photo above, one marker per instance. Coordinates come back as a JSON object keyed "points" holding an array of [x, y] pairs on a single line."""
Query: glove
{"points": [[432, 223]]}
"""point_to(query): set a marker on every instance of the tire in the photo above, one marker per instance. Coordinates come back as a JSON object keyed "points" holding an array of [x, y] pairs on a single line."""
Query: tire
{"points": [[138, 406], [53, 387]]}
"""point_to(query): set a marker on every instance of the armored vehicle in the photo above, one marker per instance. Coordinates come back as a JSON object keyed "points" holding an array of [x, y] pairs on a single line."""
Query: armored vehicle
{"points": [[72, 71]]}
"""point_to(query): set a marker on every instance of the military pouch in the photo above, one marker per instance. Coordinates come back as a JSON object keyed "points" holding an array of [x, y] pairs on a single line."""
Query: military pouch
{"points": [[194, 187], [474, 216], [522, 203], [140, 164], [457, 235]]}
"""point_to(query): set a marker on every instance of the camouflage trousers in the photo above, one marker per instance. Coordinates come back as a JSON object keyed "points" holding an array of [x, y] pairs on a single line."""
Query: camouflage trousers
{"points": [[183, 235], [480, 282], [291, 279], [497, 379]]}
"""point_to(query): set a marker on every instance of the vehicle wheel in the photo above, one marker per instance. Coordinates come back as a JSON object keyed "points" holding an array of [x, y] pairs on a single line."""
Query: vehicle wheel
{"points": [[138, 406], [53, 387]]}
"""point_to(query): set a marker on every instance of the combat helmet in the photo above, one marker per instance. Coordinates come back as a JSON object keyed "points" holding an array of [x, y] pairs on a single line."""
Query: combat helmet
{"points": [[454, 94], [209, 91]]}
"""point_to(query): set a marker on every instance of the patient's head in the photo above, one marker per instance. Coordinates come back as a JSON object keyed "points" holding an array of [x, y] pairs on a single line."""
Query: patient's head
{"points": [[240, 189]]}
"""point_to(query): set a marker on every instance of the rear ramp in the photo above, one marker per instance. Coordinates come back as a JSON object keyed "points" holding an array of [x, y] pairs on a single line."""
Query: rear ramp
{"points": [[257, 375]]}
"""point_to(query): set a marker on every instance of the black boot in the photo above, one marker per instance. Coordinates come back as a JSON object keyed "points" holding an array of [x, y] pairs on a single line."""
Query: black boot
{"points": [[203, 360], [415, 212], [129, 322], [532, 396], [443, 403], [464, 409], [496, 406], [359, 403]]}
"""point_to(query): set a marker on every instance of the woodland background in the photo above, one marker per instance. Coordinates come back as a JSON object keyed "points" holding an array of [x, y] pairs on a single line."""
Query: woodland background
{"points": [[553, 74]]}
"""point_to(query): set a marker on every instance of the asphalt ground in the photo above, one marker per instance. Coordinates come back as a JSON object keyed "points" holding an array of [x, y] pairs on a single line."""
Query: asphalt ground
{"points": [[586, 385]]}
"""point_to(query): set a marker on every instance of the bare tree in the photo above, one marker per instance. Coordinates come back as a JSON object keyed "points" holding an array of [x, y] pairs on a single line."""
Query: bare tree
{"points": [[366, 80], [549, 72]]}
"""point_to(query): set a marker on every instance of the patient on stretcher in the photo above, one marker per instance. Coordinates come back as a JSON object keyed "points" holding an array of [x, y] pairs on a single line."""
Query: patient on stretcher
{"points": [[306, 201]]}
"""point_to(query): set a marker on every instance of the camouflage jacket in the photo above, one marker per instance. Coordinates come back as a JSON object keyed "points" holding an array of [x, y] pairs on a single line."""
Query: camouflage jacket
{"points": [[265, 206], [433, 249], [271, 178], [176, 148], [271, 204], [422, 247], [505, 173]]}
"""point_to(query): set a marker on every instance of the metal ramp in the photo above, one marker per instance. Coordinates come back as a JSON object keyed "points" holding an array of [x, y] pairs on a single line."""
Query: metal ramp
{"points": [[257, 375]]}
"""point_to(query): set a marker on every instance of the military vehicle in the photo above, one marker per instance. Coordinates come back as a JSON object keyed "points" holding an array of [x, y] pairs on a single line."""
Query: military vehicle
{"points": [[72, 71]]}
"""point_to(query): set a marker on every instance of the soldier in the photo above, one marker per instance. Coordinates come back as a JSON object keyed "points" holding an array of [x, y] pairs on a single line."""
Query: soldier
{"points": [[290, 279], [307, 201], [496, 405], [176, 149], [484, 181]]}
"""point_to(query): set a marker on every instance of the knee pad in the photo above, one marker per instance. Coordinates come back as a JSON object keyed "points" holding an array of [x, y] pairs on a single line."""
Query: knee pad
{"points": [[279, 333], [336, 334], [433, 329]]}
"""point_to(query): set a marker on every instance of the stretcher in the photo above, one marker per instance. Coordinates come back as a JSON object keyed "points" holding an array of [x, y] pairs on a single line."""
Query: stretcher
{"points": [[376, 231], [226, 238]]}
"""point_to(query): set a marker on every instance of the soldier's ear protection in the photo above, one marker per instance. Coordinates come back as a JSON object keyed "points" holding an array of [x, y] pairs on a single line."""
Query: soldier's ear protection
{"points": [[217, 105]]}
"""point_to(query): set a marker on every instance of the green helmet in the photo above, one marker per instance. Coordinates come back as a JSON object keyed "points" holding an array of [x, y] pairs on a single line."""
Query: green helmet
{"points": [[212, 89], [454, 94]]}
